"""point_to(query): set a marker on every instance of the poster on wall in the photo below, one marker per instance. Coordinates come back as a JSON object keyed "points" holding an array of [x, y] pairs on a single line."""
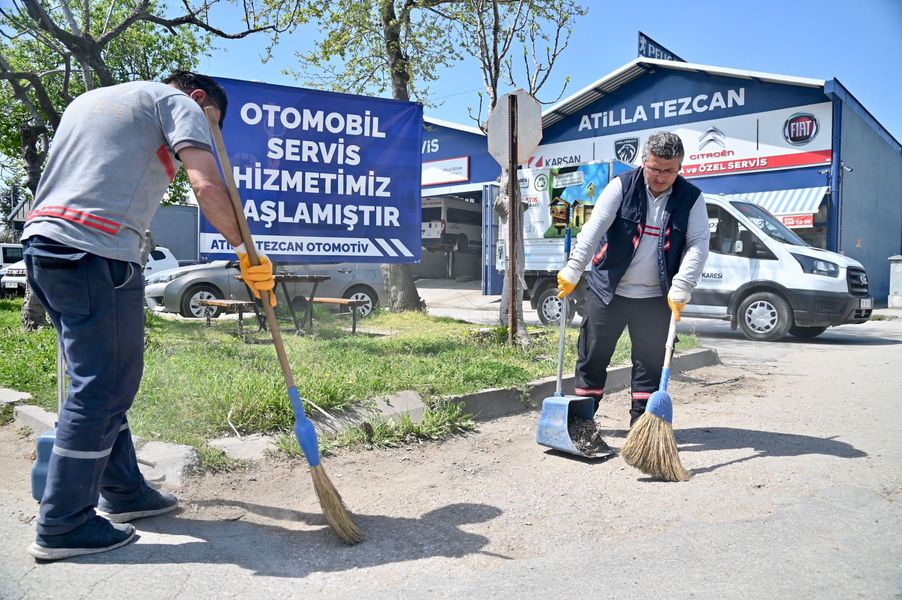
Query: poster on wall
{"points": [[764, 141], [323, 177]]}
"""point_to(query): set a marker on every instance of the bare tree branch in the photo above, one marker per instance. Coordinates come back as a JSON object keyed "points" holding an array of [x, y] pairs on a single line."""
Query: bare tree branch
{"points": [[47, 110]]}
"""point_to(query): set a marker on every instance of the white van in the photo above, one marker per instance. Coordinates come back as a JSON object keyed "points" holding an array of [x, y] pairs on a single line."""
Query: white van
{"points": [[452, 223], [9, 254], [759, 275], [767, 281]]}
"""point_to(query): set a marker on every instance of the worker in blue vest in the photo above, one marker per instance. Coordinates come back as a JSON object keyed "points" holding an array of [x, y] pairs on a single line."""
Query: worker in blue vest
{"points": [[647, 239], [115, 152]]}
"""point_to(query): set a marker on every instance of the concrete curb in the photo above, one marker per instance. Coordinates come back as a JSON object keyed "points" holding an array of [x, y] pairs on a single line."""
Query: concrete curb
{"points": [[501, 402], [8, 396], [168, 464], [164, 464]]}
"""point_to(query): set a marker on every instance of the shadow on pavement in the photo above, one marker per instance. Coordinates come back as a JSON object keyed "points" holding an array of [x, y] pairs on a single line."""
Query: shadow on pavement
{"points": [[268, 549], [765, 443]]}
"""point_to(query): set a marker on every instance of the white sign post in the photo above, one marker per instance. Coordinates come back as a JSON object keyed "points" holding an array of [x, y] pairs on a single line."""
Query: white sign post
{"points": [[514, 132]]}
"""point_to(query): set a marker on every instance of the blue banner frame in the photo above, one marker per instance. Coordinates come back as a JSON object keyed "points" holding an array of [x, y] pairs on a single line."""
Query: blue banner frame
{"points": [[323, 177]]}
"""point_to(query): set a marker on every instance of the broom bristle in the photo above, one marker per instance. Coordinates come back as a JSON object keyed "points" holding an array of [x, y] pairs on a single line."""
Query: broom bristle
{"points": [[651, 447], [337, 515]]}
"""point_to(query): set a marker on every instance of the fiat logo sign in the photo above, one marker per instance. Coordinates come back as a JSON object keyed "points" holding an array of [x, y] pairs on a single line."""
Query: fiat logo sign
{"points": [[800, 128]]}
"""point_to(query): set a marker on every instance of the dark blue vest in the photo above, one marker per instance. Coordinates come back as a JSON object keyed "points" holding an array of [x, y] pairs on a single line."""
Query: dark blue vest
{"points": [[618, 246]]}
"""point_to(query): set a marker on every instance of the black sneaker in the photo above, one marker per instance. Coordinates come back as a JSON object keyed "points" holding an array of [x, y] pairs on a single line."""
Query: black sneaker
{"points": [[149, 504], [91, 537]]}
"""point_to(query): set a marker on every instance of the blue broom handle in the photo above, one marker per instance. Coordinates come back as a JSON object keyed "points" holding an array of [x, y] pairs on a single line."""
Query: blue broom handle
{"points": [[668, 356]]}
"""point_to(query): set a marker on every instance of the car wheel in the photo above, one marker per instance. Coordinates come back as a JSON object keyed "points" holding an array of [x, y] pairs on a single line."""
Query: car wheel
{"points": [[764, 316], [806, 333], [549, 307], [362, 292], [192, 310]]}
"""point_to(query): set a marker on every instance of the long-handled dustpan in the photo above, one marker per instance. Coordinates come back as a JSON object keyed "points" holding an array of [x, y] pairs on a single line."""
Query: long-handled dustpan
{"points": [[559, 412]]}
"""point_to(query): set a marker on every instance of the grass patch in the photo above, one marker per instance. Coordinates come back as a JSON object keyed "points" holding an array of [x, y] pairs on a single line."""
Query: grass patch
{"points": [[197, 379], [214, 460], [6, 414]]}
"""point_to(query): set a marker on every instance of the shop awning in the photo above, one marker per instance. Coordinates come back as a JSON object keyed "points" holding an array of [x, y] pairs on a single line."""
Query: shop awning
{"points": [[801, 201]]}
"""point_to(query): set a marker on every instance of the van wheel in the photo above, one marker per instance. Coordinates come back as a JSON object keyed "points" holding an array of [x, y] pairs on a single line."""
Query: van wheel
{"points": [[192, 310], [549, 307], [806, 333], [764, 317]]}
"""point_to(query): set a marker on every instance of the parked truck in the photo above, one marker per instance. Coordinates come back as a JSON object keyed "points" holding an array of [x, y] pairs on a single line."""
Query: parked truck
{"points": [[759, 275]]}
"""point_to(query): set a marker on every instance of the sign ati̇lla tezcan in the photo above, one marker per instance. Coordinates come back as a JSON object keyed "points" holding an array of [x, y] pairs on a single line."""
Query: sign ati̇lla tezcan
{"points": [[323, 177]]}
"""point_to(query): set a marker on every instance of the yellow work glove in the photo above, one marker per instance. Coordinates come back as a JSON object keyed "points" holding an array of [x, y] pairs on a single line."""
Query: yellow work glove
{"points": [[565, 287], [677, 300], [258, 278]]}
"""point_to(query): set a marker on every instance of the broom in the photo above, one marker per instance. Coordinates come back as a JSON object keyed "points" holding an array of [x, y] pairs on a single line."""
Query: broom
{"points": [[650, 445], [334, 510]]}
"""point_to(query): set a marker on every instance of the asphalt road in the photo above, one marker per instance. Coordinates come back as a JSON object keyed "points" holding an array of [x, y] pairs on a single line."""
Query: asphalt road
{"points": [[796, 455]]}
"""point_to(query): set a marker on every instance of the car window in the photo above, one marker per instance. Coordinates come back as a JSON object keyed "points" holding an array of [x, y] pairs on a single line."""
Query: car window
{"points": [[725, 230], [12, 254], [157, 255]]}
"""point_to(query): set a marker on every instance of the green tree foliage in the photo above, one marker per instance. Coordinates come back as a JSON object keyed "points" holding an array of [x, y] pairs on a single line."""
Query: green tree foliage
{"points": [[51, 53], [515, 43], [373, 48]]}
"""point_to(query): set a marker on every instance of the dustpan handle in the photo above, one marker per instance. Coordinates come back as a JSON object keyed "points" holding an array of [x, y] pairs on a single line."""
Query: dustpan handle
{"points": [[559, 389], [60, 377], [668, 355]]}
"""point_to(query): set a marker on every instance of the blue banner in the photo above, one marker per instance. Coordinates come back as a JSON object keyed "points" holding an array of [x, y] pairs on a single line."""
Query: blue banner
{"points": [[323, 177], [649, 48]]}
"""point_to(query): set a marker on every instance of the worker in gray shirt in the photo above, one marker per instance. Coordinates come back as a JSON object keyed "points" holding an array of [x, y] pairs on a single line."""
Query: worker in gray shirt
{"points": [[647, 239], [115, 152]]}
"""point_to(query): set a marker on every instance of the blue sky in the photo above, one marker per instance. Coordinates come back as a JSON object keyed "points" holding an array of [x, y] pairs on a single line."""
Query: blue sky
{"points": [[859, 43]]}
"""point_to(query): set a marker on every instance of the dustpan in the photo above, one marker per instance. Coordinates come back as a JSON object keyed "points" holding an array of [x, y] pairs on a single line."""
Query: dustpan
{"points": [[559, 411]]}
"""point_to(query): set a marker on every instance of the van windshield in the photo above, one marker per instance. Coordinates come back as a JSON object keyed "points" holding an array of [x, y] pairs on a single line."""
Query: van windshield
{"points": [[768, 223], [432, 214]]}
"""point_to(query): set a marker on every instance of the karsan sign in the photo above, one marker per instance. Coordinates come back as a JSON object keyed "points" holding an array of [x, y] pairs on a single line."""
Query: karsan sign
{"points": [[323, 177], [775, 139]]}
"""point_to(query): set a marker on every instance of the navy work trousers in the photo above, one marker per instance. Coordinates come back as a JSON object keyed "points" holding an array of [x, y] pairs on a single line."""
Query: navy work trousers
{"points": [[648, 320], [96, 306]]}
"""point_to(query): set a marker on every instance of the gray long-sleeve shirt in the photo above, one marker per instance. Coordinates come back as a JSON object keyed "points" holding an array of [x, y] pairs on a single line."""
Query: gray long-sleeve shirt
{"points": [[641, 278]]}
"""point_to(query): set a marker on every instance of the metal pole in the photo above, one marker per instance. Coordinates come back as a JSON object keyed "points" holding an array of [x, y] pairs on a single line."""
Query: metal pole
{"points": [[60, 378], [512, 223]]}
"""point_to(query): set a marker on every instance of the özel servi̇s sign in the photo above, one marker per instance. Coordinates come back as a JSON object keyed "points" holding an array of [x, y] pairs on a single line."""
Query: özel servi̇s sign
{"points": [[323, 177]]}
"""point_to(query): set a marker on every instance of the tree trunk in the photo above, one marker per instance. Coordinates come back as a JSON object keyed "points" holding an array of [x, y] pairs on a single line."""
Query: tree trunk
{"points": [[501, 208], [34, 150], [401, 290], [398, 278], [33, 314]]}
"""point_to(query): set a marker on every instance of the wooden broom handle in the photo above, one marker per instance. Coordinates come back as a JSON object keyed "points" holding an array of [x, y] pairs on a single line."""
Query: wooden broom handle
{"points": [[248, 243]]}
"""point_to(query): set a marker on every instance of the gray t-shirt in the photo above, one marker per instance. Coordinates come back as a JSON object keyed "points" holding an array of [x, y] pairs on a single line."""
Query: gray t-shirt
{"points": [[112, 158]]}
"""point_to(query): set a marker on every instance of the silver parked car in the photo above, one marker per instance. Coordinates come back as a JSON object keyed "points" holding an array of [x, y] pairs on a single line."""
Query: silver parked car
{"points": [[178, 290]]}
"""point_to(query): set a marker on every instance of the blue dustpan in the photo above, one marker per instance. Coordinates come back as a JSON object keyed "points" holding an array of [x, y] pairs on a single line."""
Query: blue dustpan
{"points": [[553, 428], [558, 411]]}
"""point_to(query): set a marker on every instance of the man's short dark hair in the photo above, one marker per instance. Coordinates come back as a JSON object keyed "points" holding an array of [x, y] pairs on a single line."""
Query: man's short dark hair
{"points": [[663, 144], [188, 82]]}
